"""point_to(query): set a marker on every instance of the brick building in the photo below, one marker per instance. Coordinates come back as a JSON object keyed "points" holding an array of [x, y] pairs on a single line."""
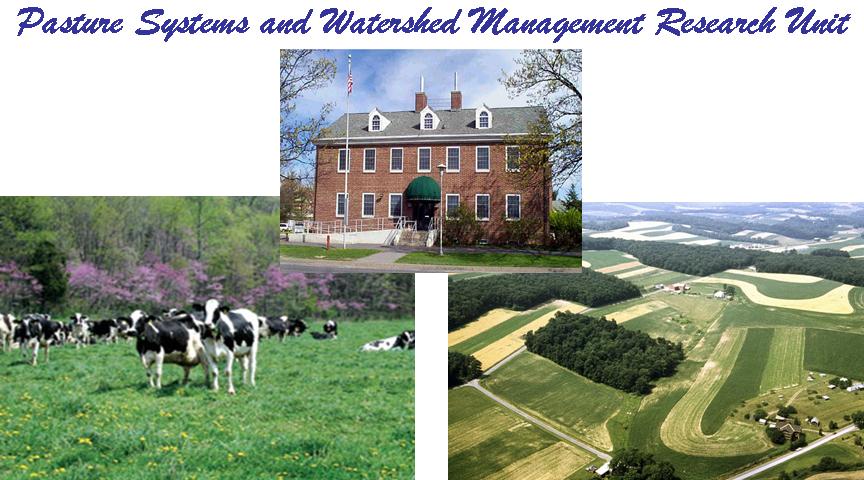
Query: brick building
{"points": [[393, 166]]}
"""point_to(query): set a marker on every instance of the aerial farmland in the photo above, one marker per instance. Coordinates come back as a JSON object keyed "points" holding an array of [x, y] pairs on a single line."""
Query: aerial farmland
{"points": [[771, 371]]}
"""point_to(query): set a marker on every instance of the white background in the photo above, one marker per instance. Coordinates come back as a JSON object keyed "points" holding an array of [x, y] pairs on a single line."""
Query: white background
{"points": [[696, 118]]}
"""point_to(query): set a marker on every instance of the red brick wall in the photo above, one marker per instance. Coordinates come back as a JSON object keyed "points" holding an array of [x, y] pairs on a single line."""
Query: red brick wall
{"points": [[467, 182]]}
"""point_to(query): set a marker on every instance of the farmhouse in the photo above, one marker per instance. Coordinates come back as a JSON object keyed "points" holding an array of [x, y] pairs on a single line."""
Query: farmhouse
{"points": [[719, 294], [405, 167], [855, 387], [677, 288], [790, 430]]}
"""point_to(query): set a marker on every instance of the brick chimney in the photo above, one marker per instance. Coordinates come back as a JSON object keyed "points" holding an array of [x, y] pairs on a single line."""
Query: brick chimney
{"points": [[420, 100], [455, 95]]}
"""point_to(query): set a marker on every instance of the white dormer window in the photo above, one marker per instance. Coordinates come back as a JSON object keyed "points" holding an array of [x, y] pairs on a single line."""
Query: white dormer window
{"points": [[428, 119], [484, 117], [377, 121]]}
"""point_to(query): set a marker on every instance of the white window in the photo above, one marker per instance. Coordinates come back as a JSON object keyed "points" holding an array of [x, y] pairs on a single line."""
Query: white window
{"points": [[340, 204], [484, 120], [395, 206], [514, 207], [376, 123], [344, 161], [452, 203], [453, 159], [481, 207], [424, 159], [427, 122], [369, 160], [368, 205], [483, 117], [482, 164], [512, 159], [396, 160]]}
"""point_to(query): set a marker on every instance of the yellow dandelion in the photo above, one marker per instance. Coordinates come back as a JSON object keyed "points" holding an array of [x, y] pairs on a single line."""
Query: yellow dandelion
{"points": [[85, 441], [184, 435], [241, 454]]}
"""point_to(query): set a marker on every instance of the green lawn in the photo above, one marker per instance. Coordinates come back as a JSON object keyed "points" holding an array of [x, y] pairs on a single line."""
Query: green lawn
{"points": [[314, 252], [492, 260], [834, 352], [321, 409], [500, 331], [568, 401]]}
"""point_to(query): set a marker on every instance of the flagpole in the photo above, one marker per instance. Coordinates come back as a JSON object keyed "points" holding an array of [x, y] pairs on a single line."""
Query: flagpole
{"points": [[347, 154]]}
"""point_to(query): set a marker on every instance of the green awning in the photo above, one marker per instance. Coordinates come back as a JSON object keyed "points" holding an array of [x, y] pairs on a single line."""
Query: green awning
{"points": [[423, 188]]}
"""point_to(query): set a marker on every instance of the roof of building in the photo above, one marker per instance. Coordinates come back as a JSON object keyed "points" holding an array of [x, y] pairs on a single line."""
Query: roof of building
{"points": [[783, 425], [505, 121], [423, 188]]}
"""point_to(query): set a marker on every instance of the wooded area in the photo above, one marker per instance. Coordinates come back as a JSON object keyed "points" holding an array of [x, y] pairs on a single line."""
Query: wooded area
{"points": [[706, 260], [468, 299], [110, 255], [605, 352]]}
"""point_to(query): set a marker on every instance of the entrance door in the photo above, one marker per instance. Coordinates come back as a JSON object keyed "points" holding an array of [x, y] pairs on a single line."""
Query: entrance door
{"points": [[422, 213]]}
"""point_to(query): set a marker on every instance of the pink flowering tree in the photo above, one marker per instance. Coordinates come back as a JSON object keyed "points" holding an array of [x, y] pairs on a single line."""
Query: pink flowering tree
{"points": [[18, 289]]}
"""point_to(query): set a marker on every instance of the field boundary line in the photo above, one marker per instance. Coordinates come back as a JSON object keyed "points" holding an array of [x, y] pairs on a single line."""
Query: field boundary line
{"points": [[540, 423], [504, 360]]}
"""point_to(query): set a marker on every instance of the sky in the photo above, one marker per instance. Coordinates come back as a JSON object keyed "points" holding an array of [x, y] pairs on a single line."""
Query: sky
{"points": [[388, 79]]}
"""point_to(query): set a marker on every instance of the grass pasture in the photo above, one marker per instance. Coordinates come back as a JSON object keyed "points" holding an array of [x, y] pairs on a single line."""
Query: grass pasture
{"points": [[485, 439], [321, 409], [838, 353], [570, 402]]}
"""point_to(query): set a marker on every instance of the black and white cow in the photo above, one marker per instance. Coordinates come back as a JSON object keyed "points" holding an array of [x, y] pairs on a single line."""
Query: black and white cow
{"points": [[330, 331], [105, 330], [404, 341], [296, 326], [7, 328], [80, 330], [272, 327], [37, 330], [230, 334], [174, 340]]}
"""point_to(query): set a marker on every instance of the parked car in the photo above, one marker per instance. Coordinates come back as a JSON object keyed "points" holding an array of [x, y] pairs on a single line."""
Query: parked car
{"points": [[283, 227]]}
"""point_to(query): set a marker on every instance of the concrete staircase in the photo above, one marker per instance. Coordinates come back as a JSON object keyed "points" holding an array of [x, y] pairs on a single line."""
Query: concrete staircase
{"points": [[413, 238]]}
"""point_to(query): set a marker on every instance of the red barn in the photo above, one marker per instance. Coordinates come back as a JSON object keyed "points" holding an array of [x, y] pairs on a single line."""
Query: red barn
{"points": [[393, 168]]}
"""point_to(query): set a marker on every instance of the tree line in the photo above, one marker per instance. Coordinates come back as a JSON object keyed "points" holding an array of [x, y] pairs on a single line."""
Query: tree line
{"points": [[469, 299], [702, 260], [606, 352]]}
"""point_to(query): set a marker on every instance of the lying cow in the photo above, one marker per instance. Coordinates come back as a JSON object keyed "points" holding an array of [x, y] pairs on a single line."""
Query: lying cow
{"points": [[404, 341], [7, 328], [330, 331], [230, 334], [172, 340], [37, 330]]}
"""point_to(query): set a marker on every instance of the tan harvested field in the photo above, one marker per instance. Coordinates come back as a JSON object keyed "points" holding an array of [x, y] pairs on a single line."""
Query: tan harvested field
{"points": [[586, 264], [836, 301], [635, 311], [636, 273], [640, 235], [780, 277], [850, 248], [497, 351], [857, 475], [619, 267], [487, 321], [475, 429], [704, 241], [554, 462], [682, 428]]}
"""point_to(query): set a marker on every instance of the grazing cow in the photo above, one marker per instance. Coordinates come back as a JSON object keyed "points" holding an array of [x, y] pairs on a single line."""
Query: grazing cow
{"points": [[175, 340], [404, 341], [296, 327], [80, 329], [230, 334], [37, 330], [272, 327], [105, 330], [330, 331], [7, 328]]}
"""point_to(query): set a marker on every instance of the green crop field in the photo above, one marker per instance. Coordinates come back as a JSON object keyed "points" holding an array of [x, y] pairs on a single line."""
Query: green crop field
{"points": [[743, 381], [666, 277], [841, 451], [485, 438], [321, 409], [834, 352], [500, 331], [785, 364], [856, 298], [787, 290], [604, 258], [568, 401]]}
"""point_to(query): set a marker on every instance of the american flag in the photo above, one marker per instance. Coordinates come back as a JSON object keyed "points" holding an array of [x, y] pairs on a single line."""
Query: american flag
{"points": [[350, 83]]}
